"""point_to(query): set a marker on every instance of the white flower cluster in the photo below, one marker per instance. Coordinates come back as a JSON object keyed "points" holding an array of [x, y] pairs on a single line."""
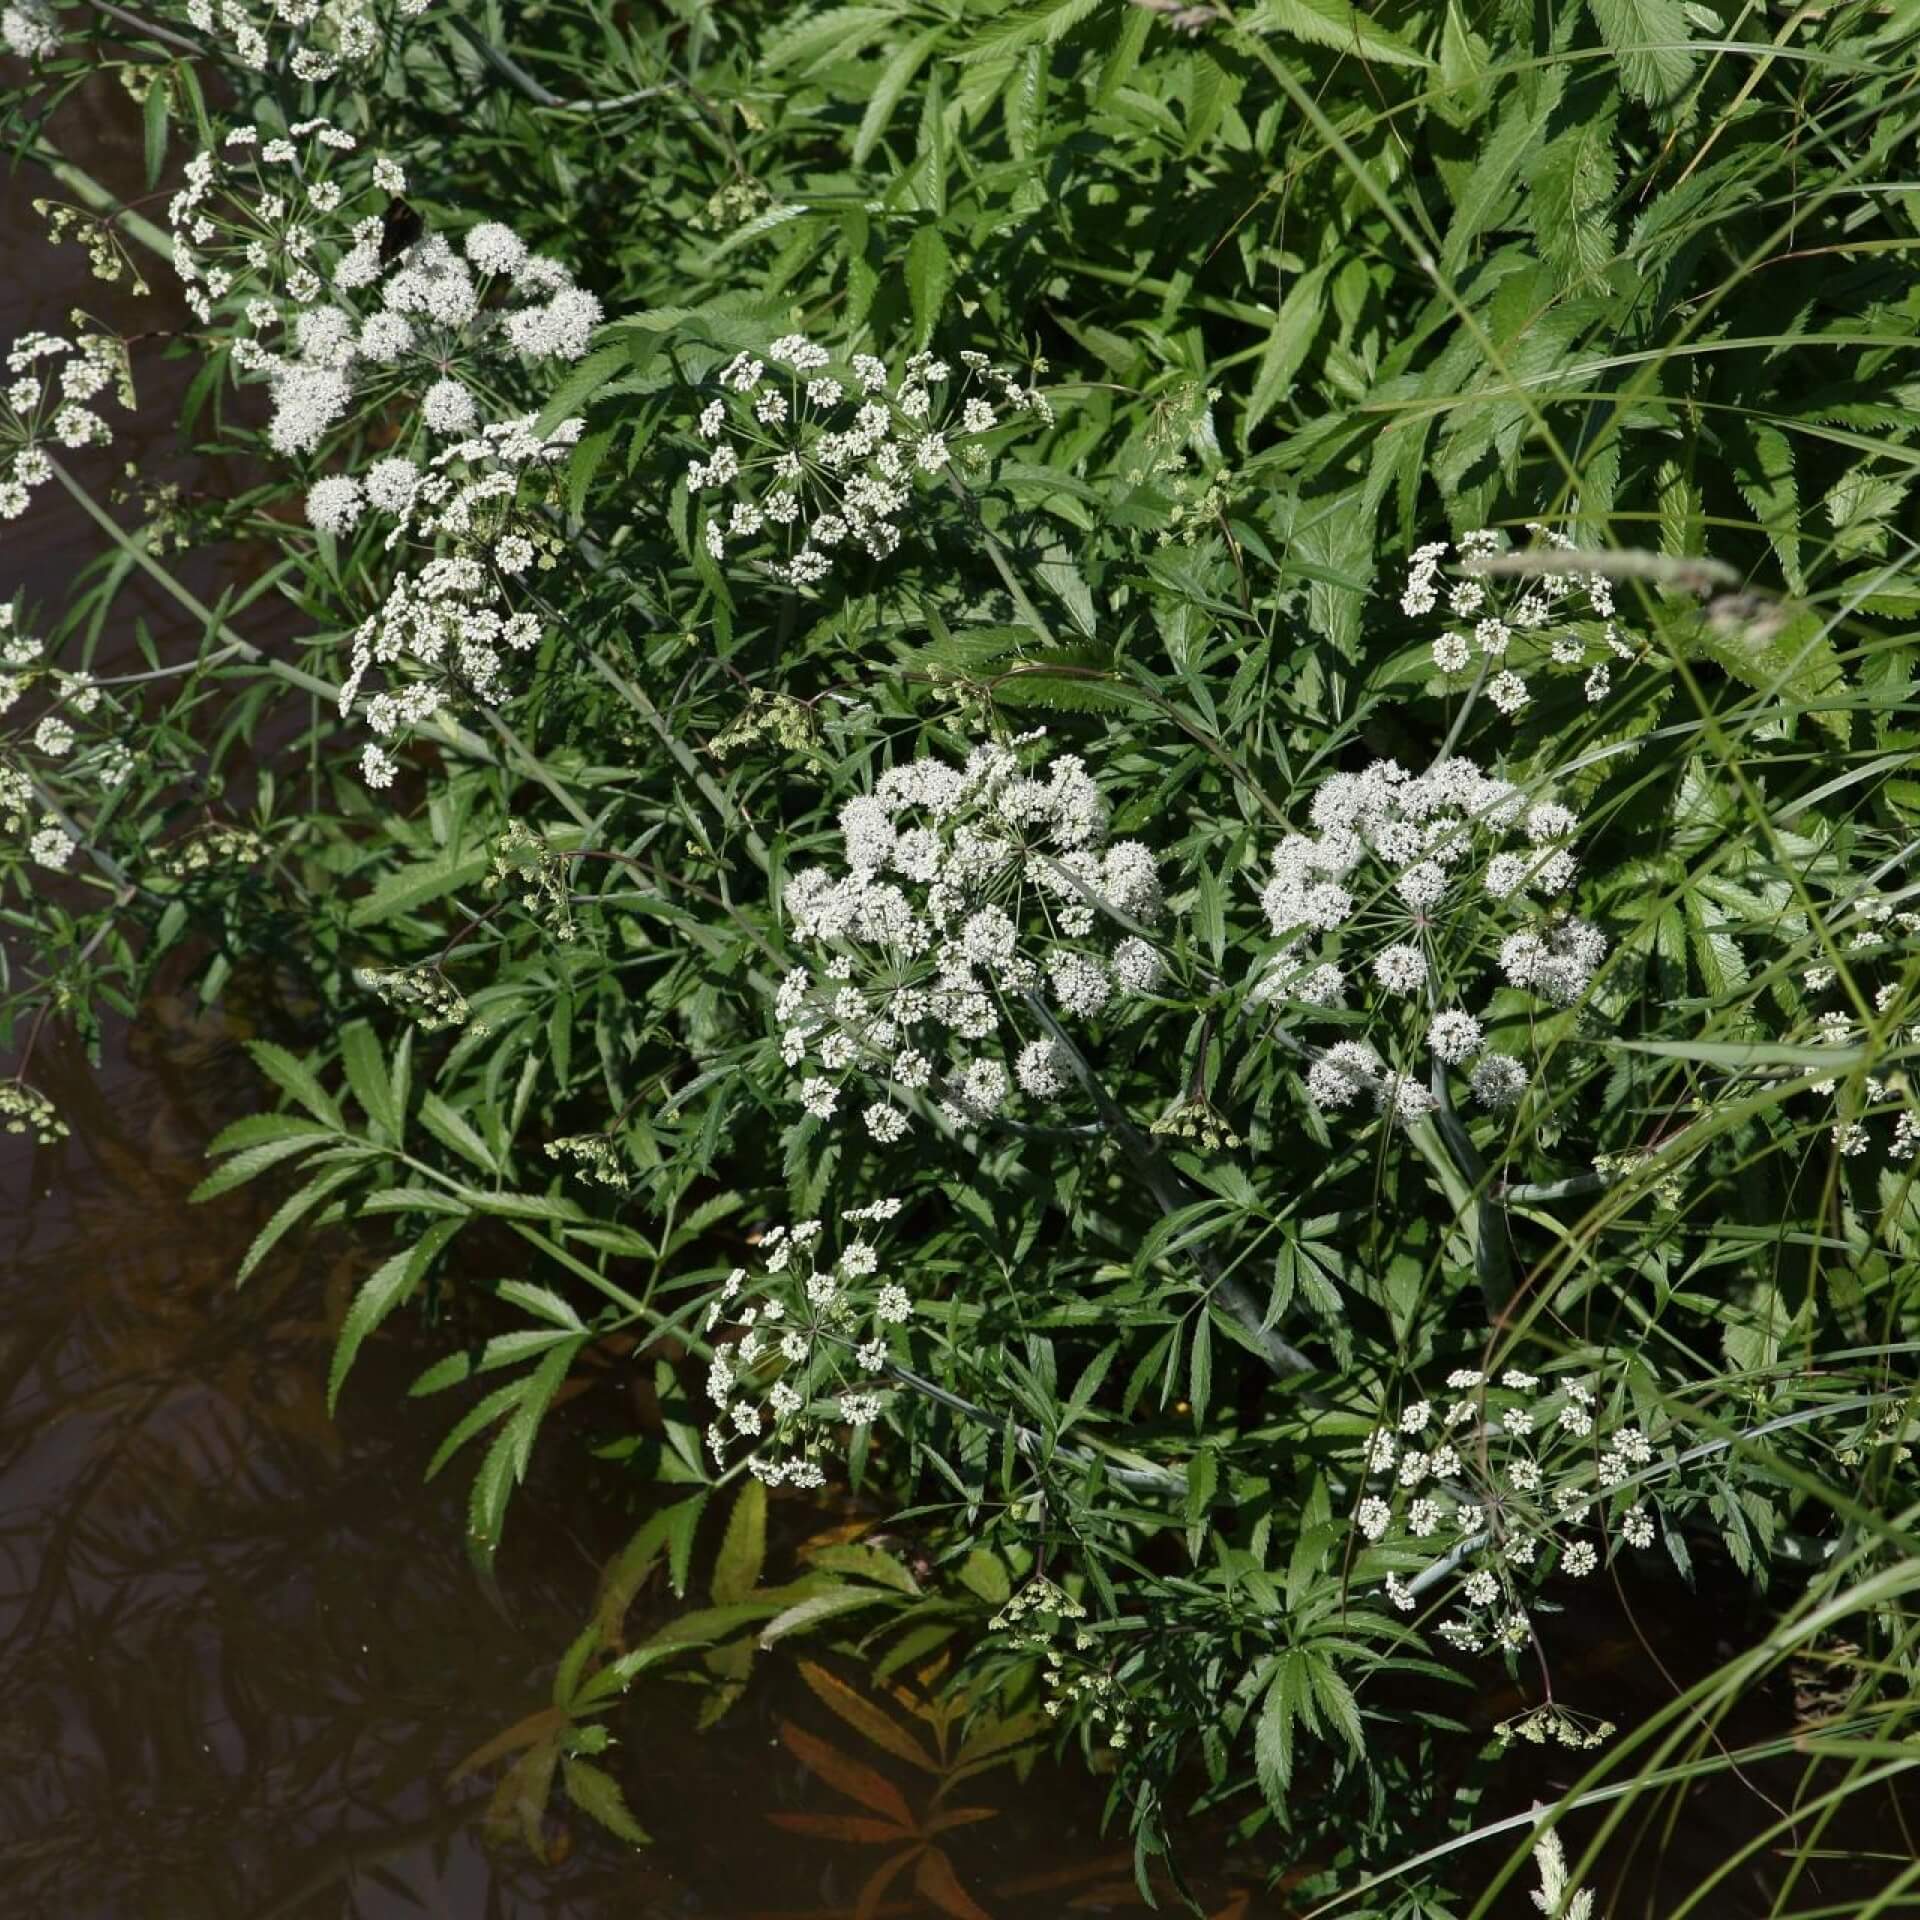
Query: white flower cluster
{"points": [[1506, 1469], [1563, 621], [284, 237], [809, 1345], [323, 36], [445, 628], [69, 742], [806, 457], [1869, 927], [30, 29], [44, 403], [1401, 894], [966, 892]]}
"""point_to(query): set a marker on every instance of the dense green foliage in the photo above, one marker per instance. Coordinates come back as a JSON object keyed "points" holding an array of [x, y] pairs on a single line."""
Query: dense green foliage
{"points": [[1259, 302]]}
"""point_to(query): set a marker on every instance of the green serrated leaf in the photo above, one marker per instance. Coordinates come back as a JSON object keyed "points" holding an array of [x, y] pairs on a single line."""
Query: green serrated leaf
{"points": [[1332, 23], [929, 274], [743, 1551], [1649, 38], [597, 1794], [384, 1289]]}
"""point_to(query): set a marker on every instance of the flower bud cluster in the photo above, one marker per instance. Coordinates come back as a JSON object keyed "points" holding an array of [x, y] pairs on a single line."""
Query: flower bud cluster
{"points": [[25, 1109], [967, 898], [424, 994], [799, 1348], [213, 849], [1035, 1620]]}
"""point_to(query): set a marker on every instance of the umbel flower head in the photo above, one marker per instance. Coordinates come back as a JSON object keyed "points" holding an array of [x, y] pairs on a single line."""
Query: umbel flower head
{"points": [[1509, 628], [810, 1338], [1496, 1484], [286, 240], [1407, 895], [446, 629], [44, 404], [966, 896], [323, 36], [76, 746], [806, 458]]}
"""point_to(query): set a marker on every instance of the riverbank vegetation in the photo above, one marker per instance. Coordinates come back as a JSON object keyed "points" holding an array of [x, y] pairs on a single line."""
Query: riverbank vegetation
{"points": [[1128, 786]]}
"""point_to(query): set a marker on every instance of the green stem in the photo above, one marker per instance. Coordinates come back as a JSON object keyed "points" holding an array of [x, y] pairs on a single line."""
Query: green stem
{"points": [[1027, 611], [1165, 1186], [1160, 1479], [715, 795], [86, 188], [517, 76]]}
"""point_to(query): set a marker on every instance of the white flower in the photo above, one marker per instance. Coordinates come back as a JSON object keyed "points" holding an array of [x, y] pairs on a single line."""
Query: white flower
{"points": [[1400, 968], [1579, 1559], [1497, 1080], [494, 248], [1080, 982], [335, 504], [1041, 1069], [52, 846], [820, 1098], [391, 484], [448, 408], [1454, 1036], [1340, 1074], [1137, 965], [1508, 692], [1373, 1516], [307, 401], [1636, 1528], [1414, 1419], [31, 30]]}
